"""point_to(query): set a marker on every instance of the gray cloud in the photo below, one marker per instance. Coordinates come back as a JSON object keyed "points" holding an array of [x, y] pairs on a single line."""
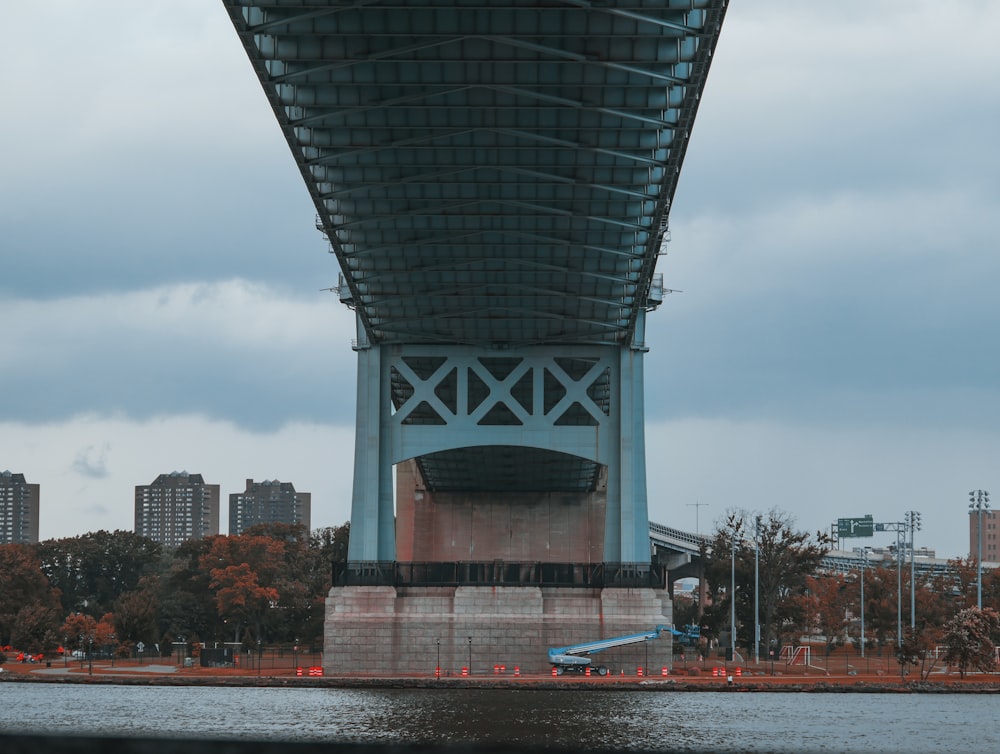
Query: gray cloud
{"points": [[92, 461]]}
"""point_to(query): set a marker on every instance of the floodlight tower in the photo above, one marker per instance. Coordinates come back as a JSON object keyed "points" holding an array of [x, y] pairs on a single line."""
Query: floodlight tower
{"points": [[978, 500], [912, 520]]}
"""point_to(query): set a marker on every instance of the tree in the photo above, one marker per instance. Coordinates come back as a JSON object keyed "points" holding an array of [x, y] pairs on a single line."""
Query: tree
{"points": [[917, 649], [28, 603], [80, 630], [881, 603], [245, 574], [824, 606], [91, 571], [784, 556], [187, 605], [136, 613], [241, 599], [970, 639]]}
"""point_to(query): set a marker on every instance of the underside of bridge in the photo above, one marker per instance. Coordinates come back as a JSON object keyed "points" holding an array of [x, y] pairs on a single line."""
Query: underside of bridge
{"points": [[495, 181]]}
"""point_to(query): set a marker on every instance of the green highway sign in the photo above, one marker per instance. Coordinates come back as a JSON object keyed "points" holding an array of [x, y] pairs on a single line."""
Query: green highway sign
{"points": [[855, 527]]}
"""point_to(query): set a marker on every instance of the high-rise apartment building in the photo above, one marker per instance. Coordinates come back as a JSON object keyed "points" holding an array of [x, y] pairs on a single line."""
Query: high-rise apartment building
{"points": [[18, 510], [177, 507], [268, 502], [991, 532]]}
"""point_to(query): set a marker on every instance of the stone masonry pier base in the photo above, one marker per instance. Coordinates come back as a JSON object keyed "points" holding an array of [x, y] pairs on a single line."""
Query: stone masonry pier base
{"points": [[385, 630]]}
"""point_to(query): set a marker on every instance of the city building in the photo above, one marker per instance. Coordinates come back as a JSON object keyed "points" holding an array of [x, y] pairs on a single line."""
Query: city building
{"points": [[268, 502], [991, 529], [18, 510], [177, 507]]}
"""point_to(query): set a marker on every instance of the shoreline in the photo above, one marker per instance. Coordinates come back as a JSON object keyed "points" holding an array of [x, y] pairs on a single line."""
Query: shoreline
{"points": [[287, 678]]}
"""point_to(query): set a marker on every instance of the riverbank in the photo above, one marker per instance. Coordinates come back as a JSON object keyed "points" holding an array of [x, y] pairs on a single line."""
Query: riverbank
{"points": [[131, 673]]}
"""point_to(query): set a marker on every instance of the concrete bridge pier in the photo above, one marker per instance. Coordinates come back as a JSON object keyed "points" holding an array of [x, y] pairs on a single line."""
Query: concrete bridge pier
{"points": [[385, 630], [520, 519]]}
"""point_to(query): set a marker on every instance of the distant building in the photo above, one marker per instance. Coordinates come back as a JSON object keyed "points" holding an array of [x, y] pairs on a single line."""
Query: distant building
{"points": [[991, 529], [268, 502], [177, 507], [18, 510]]}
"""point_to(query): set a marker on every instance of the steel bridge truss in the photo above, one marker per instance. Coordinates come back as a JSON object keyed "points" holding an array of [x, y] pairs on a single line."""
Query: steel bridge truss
{"points": [[538, 419], [495, 181]]}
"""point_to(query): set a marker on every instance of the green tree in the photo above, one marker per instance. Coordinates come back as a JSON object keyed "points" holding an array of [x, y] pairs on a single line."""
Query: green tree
{"points": [[136, 613], [91, 571], [971, 638], [186, 602]]}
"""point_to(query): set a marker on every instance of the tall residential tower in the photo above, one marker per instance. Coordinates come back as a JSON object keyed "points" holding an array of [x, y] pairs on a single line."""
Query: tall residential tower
{"points": [[18, 509], [268, 502], [177, 507]]}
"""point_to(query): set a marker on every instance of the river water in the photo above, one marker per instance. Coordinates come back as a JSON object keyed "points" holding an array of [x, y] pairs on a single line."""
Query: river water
{"points": [[636, 720]]}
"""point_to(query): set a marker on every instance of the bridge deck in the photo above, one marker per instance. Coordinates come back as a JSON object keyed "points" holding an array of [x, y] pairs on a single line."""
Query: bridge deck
{"points": [[488, 173]]}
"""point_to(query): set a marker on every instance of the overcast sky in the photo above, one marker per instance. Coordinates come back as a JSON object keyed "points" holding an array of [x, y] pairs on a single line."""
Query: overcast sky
{"points": [[834, 351]]}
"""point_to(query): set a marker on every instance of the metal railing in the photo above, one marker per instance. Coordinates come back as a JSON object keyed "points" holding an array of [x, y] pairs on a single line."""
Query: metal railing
{"points": [[501, 573]]}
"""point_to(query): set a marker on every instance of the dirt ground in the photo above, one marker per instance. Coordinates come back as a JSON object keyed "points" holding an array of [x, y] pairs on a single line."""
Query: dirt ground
{"points": [[844, 672]]}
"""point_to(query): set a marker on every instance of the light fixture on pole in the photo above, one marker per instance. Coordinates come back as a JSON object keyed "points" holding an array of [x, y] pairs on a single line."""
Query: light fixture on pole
{"points": [[863, 551], [732, 601], [900, 540], [756, 590], [913, 524], [979, 500]]}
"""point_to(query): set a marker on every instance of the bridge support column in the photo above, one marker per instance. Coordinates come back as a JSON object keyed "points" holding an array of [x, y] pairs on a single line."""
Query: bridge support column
{"points": [[627, 529], [373, 533]]}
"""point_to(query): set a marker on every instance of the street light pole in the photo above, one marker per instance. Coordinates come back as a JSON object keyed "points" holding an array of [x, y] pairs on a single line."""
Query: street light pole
{"points": [[913, 524], [863, 551], [756, 591], [900, 538], [732, 601], [978, 500]]}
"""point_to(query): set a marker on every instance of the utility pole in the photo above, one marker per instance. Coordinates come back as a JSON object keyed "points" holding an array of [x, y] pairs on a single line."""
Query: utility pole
{"points": [[696, 507]]}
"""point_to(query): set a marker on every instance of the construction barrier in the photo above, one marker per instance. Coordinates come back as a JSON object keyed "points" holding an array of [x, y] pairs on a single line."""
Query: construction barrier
{"points": [[639, 672], [465, 671], [298, 671], [664, 671], [316, 670], [716, 672], [739, 672], [554, 672]]}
